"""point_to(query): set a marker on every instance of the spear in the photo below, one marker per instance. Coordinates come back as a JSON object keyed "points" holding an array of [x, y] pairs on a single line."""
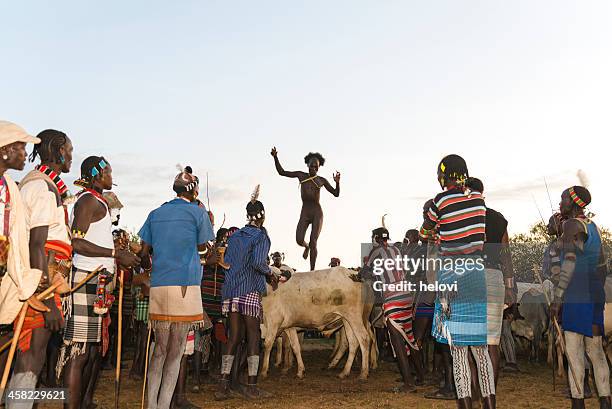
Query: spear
{"points": [[79, 285]]}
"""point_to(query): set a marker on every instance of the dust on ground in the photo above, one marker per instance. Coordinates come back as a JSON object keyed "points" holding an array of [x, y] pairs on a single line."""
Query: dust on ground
{"points": [[532, 388]]}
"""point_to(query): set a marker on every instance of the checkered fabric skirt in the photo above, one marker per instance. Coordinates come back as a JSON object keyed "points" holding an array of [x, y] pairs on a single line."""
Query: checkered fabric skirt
{"points": [[464, 322], [141, 312], [82, 323], [248, 304]]}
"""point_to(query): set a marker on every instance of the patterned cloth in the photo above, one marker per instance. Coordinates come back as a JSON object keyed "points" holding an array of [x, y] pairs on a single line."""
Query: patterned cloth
{"points": [[464, 320], [495, 305], [248, 304], [142, 309], [459, 218], [247, 252], [34, 320], [82, 323], [398, 310], [424, 310], [212, 283]]}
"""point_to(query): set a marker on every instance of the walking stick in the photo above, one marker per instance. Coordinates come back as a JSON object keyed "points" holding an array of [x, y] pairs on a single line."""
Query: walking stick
{"points": [[558, 328], [79, 285], [16, 336], [144, 382], [119, 339]]}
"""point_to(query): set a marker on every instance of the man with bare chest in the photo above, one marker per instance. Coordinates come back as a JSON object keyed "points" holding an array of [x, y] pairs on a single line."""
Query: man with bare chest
{"points": [[310, 189]]}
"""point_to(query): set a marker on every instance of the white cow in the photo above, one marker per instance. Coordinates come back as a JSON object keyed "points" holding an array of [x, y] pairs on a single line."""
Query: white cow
{"points": [[324, 300]]}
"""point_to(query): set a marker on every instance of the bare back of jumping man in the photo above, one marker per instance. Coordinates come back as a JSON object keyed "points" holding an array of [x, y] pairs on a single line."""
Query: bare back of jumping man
{"points": [[310, 190]]}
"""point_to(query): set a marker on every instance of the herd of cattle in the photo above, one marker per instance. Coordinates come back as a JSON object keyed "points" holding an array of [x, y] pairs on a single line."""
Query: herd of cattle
{"points": [[332, 302]]}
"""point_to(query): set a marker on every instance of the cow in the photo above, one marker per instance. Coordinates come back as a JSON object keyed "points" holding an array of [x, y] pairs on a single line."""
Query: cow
{"points": [[324, 300], [534, 310]]}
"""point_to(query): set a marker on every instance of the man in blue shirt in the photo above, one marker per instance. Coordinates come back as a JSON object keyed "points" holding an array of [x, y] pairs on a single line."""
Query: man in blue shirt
{"points": [[245, 283], [174, 232]]}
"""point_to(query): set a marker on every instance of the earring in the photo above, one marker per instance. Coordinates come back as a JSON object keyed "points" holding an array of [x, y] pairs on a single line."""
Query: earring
{"points": [[62, 160], [5, 157]]}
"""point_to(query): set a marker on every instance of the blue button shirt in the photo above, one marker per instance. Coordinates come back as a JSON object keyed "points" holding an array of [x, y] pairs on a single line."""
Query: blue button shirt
{"points": [[174, 230], [246, 254]]}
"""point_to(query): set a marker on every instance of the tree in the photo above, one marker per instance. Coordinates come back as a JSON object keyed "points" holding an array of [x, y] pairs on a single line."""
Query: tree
{"points": [[528, 250]]}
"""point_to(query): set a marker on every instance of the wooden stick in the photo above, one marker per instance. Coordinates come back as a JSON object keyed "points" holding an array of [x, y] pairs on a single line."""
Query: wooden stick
{"points": [[79, 285], [558, 328], [144, 382], [86, 279], [16, 336], [119, 339]]}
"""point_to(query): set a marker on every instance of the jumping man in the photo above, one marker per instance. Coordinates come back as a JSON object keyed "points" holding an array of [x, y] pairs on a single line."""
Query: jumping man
{"points": [[310, 187]]}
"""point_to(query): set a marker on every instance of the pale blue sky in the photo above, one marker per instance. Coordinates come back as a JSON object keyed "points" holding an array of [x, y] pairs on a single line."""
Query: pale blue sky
{"points": [[383, 89]]}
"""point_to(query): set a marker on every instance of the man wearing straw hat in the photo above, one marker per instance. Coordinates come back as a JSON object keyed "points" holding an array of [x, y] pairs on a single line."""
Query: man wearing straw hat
{"points": [[18, 280]]}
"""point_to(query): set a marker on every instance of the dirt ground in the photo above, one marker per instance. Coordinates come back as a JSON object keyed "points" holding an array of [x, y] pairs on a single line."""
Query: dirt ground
{"points": [[322, 389]]}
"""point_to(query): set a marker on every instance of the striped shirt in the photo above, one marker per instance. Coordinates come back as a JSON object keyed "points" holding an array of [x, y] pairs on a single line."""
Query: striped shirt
{"points": [[247, 251], [460, 221]]}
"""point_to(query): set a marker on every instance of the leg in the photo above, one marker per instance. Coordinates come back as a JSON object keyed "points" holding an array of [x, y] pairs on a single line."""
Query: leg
{"points": [[92, 373], [172, 364], [601, 371], [236, 335], [53, 347], [352, 347], [156, 366], [342, 348], [29, 364], [485, 375], [253, 336], [279, 350], [139, 353], [315, 231], [73, 378], [399, 346], [300, 232], [461, 370], [507, 346], [574, 344], [495, 361], [294, 341]]}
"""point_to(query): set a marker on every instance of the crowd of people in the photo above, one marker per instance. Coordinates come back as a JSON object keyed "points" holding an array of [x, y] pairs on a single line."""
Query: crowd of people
{"points": [[75, 287]]}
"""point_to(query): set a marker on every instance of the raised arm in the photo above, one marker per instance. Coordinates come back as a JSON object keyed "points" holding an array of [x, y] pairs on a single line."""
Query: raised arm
{"points": [[334, 191], [279, 168]]}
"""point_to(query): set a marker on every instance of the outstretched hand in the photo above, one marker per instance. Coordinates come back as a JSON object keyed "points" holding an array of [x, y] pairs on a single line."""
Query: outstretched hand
{"points": [[274, 152], [337, 177]]}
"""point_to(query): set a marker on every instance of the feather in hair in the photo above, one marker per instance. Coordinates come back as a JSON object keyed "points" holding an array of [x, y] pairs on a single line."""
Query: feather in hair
{"points": [[383, 220], [255, 194]]}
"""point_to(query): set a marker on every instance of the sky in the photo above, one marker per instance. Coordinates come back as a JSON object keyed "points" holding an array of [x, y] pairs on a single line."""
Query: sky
{"points": [[383, 89]]}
